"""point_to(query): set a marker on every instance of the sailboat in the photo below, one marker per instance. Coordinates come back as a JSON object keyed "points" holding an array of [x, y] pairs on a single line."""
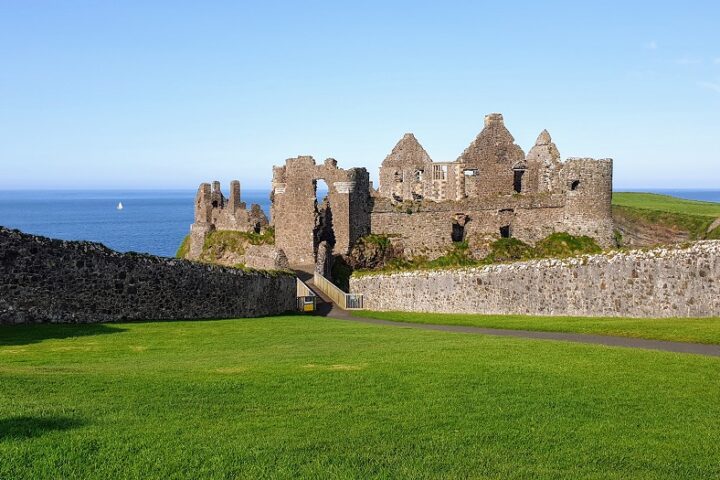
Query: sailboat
{"points": [[120, 206]]}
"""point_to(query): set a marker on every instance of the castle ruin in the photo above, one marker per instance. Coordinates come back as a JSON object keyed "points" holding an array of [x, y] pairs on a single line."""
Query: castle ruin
{"points": [[492, 190]]}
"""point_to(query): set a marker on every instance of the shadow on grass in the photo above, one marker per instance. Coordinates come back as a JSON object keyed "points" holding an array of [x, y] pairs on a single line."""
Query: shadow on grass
{"points": [[28, 334], [20, 428]]}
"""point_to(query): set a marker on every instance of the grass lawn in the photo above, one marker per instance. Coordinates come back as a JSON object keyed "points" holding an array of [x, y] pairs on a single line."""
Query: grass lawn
{"points": [[291, 397], [693, 330], [666, 203]]}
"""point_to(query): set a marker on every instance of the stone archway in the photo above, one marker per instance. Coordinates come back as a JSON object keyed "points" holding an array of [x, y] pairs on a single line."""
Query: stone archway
{"points": [[301, 224]]}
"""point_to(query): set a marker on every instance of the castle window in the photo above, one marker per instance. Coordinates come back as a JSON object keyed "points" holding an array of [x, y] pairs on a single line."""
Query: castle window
{"points": [[215, 204], [574, 185], [518, 180], [418, 175], [458, 232], [471, 172], [505, 231], [399, 177], [440, 172]]}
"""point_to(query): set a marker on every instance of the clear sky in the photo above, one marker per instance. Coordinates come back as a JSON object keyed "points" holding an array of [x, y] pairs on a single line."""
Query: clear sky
{"points": [[152, 94]]}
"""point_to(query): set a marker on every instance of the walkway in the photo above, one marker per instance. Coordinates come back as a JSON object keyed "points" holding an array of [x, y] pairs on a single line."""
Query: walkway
{"points": [[328, 309]]}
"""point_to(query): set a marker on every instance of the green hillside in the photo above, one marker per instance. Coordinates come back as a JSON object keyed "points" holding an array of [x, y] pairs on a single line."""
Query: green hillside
{"points": [[649, 218]]}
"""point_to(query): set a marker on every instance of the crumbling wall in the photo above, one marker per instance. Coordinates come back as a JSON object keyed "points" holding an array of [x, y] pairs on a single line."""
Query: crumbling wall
{"points": [[297, 214], [665, 282], [426, 228], [213, 211], [495, 186], [46, 280]]}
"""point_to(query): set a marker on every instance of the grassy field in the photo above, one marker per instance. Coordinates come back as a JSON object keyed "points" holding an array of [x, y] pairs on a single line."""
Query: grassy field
{"points": [[693, 330], [653, 210], [666, 203], [310, 397]]}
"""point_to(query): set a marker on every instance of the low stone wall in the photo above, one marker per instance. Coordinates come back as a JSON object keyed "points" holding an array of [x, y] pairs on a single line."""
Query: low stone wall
{"points": [[664, 282], [45, 280]]}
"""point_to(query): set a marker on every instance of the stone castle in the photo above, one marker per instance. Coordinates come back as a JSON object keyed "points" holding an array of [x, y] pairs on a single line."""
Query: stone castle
{"points": [[492, 190]]}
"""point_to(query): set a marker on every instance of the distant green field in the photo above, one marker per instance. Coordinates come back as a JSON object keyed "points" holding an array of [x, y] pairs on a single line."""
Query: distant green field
{"points": [[665, 211], [666, 203], [309, 397], [692, 330]]}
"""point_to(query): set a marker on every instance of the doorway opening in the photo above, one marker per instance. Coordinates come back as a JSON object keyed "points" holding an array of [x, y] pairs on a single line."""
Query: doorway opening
{"points": [[505, 231], [458, 232], [323, 214]]}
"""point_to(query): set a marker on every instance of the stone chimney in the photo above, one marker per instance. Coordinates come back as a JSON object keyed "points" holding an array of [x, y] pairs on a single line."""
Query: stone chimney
{"points": [[234, 202], [494, 119]]}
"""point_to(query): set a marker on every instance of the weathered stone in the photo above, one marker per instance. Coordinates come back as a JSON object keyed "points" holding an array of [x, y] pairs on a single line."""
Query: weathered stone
{"points": [[664, 282], [493, 189], [46, 280]]}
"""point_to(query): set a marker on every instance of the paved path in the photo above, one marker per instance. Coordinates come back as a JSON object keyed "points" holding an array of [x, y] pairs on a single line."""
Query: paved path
{"points": [[328, 309]]}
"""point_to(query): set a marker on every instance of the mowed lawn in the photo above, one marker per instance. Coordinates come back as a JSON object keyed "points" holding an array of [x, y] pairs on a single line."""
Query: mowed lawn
{"points": [[308, 397], [690, 330]]}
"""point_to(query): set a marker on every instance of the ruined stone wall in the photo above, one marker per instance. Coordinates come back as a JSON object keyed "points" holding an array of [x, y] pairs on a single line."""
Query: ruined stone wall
{"points": [[665, 282], [425, 228], [45, 280], [297, 215], [493, 184], [213, 211]]}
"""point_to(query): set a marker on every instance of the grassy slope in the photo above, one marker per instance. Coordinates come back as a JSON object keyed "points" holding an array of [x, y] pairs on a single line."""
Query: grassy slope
{"points": [[687, 215], [311, 397], [694, 330], [666, 203]]}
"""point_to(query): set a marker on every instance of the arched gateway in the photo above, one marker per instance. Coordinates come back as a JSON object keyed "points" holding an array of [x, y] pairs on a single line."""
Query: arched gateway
{"points": [[301, 223]]}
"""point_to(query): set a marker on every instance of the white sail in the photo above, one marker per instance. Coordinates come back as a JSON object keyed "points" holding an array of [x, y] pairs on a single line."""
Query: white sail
{"points": [[120, 206]]}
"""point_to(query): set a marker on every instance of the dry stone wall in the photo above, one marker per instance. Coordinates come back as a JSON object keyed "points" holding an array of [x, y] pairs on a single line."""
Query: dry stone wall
{"points": [[46, 280], [665, 282]]}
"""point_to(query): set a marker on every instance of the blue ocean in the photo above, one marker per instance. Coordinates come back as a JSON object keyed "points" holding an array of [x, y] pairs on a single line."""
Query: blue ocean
{"points": [[151, 221]]}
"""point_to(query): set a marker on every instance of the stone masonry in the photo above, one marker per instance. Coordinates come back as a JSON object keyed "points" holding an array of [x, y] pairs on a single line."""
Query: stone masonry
{"points": [[45, 280], [664, 282], [492, 190], [213, 211]]}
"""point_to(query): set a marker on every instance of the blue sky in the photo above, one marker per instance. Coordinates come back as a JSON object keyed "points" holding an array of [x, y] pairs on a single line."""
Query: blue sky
{"points": [[123, 94]]}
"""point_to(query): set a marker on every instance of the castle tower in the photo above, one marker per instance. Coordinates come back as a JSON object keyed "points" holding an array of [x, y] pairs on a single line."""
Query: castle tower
{"points": [[587, 184]]}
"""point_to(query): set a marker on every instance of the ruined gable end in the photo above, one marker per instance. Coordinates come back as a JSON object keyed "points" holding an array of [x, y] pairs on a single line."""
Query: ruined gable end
{"points": [[403, 171]]}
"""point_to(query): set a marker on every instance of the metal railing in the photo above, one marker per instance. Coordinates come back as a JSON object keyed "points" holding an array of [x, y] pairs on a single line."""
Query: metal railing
{"points": [[346, 301]]}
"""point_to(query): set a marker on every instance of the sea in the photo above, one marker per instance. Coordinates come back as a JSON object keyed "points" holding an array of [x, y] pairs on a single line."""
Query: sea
{"points": [[151, 221]]}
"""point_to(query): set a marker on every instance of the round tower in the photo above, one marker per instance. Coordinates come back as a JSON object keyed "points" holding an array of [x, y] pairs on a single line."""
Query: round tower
{"points": [[587, 185]]}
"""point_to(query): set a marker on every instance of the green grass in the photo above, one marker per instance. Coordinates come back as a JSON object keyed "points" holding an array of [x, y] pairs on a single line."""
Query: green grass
{"points": [[219, 242], [666, 203], [556, 245], [693, 330], [184, 248], [308, 397], [692, 216]]}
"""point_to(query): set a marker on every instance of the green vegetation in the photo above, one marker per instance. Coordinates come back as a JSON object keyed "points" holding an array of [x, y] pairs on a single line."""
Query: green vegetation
{"points": [[666, 203], [219, 243], [693, 330], [308, 397], [691, 216], [557, 245], [184, 247]]}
